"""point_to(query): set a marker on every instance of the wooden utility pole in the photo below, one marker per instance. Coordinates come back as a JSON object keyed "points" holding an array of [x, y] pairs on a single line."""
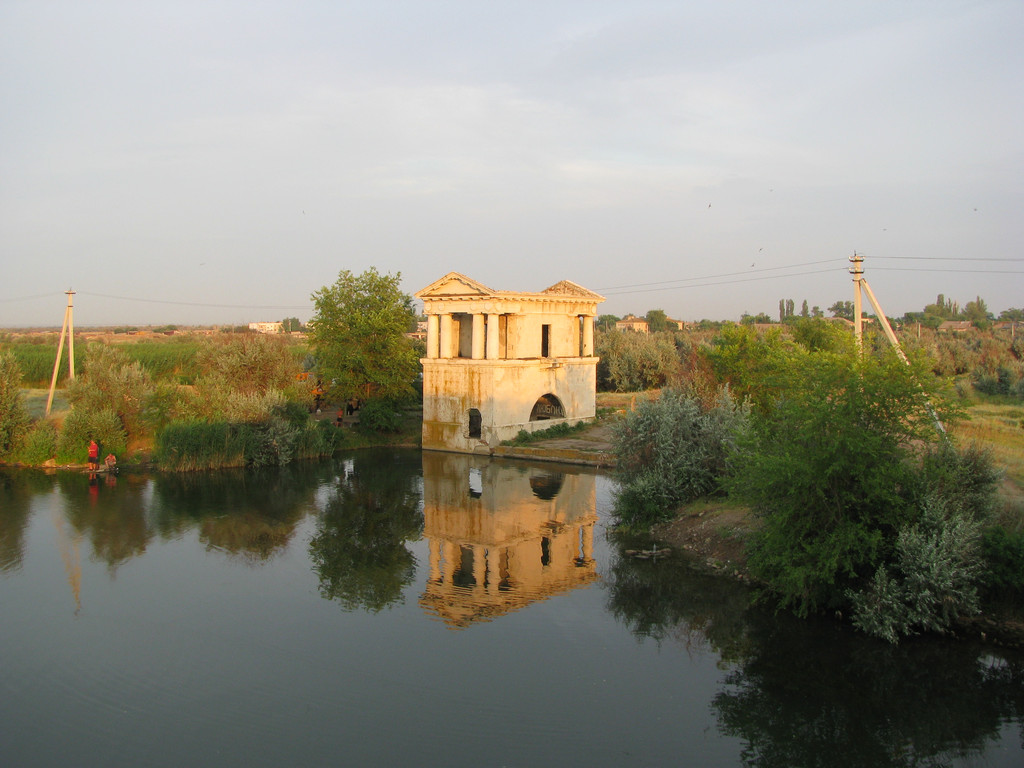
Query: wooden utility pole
{"points": [[860, 283], [69, 329]]}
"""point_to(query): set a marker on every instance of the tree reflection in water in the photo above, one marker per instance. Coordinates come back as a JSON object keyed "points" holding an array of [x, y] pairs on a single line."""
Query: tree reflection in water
{"points": [[809, 695], [815, 693], [248, 514], [359, 549], [17, 489]]}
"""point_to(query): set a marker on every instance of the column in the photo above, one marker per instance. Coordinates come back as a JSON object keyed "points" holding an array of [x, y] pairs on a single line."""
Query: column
{"points": [[445, 336], [493, 338], [478, 337], [588, 336], [432, 336]]}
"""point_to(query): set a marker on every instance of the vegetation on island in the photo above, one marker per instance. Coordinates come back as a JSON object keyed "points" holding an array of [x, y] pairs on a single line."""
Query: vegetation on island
{"points": [[864, 506], [229, 399]]}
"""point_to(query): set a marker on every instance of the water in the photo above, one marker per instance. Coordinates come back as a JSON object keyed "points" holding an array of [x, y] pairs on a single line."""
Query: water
{"points": [[399, 608]]}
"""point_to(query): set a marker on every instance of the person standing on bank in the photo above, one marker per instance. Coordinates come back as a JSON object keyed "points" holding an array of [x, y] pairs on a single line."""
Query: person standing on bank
{"points": [[94, 455]]}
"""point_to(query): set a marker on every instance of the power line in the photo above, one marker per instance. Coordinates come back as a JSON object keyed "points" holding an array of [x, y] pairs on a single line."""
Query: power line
{"points": [[943, 258], [965, 271], [32, 298], [720, 282], [193, 303], [714, 277]]}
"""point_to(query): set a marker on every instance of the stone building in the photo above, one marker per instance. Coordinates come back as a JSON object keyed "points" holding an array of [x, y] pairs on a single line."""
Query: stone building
{"points": [[499, 362]]}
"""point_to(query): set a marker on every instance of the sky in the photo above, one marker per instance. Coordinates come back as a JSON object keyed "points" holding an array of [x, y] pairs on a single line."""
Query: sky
{"points": [[219, 162]]}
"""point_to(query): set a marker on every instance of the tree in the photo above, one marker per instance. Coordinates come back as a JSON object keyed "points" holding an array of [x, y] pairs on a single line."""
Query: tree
{"points": [[291, 325], [14, 420], [110, 380], [1012, 314], [607, 322], [804, 311], [657, 321], [842, 309], [829, 464], [358, 333], [977, 312]]}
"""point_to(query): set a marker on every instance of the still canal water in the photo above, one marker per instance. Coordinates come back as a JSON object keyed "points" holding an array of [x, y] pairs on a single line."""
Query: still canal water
{"points": [[395, 608]]}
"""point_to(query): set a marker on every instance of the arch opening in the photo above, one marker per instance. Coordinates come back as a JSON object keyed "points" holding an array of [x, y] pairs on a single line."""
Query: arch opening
{"points": [[547, 407]]}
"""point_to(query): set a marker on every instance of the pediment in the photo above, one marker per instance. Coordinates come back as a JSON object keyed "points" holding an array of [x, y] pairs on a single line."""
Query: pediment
{"points": [[454, 284], [569, 288]]}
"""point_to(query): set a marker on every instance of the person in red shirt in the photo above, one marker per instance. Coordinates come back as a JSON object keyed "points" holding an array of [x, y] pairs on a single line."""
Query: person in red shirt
{"points": [[94, 455]]}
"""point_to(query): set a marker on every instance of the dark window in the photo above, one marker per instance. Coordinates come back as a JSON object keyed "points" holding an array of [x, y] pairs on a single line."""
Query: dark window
{"points": [[474, 423], [545, 341]]}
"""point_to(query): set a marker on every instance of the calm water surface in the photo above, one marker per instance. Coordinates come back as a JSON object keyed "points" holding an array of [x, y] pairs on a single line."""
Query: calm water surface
{"points": [[406, 608]]}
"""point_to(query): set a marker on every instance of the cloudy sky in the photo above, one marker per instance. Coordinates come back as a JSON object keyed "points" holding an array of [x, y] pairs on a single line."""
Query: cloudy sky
{"points": [[218, 162]]}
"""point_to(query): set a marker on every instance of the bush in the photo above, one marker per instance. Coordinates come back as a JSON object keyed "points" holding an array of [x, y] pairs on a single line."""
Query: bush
{"points": [[633, 362], [81, 426], [14, 421], [111, 381], [672, 450], [380, 415], [1003, 553], [932, 580], [40, 444], [829, 464]]}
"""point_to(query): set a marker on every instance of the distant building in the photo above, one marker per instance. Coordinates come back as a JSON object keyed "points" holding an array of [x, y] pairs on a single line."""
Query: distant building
{"points": [[679, 325], [632, 323], [499, 362], [956, 325], [277, 327]]}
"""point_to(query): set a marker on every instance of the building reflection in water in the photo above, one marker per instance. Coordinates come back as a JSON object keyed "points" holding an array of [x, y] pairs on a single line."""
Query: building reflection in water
{"points": [[503, 534]]}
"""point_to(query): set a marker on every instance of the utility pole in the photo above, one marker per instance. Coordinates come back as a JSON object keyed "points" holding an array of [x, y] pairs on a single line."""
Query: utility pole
{"points": [[860, 283], [69, 329]]}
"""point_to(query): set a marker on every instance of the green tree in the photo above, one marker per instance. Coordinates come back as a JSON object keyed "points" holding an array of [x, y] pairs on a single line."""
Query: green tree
{"points": [[1012, 314], [291, 325], [110, 380], [14, 420], [606, 322], [977, 312], [657, 321], [829, 464], [357, 332]]}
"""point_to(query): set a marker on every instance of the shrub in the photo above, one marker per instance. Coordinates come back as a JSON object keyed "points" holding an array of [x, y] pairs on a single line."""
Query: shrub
{"points": [[828, 464], [632, 362], [111, 381], [80, 426], [14, 421], [40, 444], [1003, 552], [672, 450], [379, 415], [932, 580]]}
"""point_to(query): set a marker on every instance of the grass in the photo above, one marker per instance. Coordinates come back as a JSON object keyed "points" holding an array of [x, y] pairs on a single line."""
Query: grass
{"points": [[1000, 428], [34, 401]]}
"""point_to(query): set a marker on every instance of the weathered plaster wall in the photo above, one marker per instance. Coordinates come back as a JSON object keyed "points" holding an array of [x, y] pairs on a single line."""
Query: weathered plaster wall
{"points": [[504, 391]]}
